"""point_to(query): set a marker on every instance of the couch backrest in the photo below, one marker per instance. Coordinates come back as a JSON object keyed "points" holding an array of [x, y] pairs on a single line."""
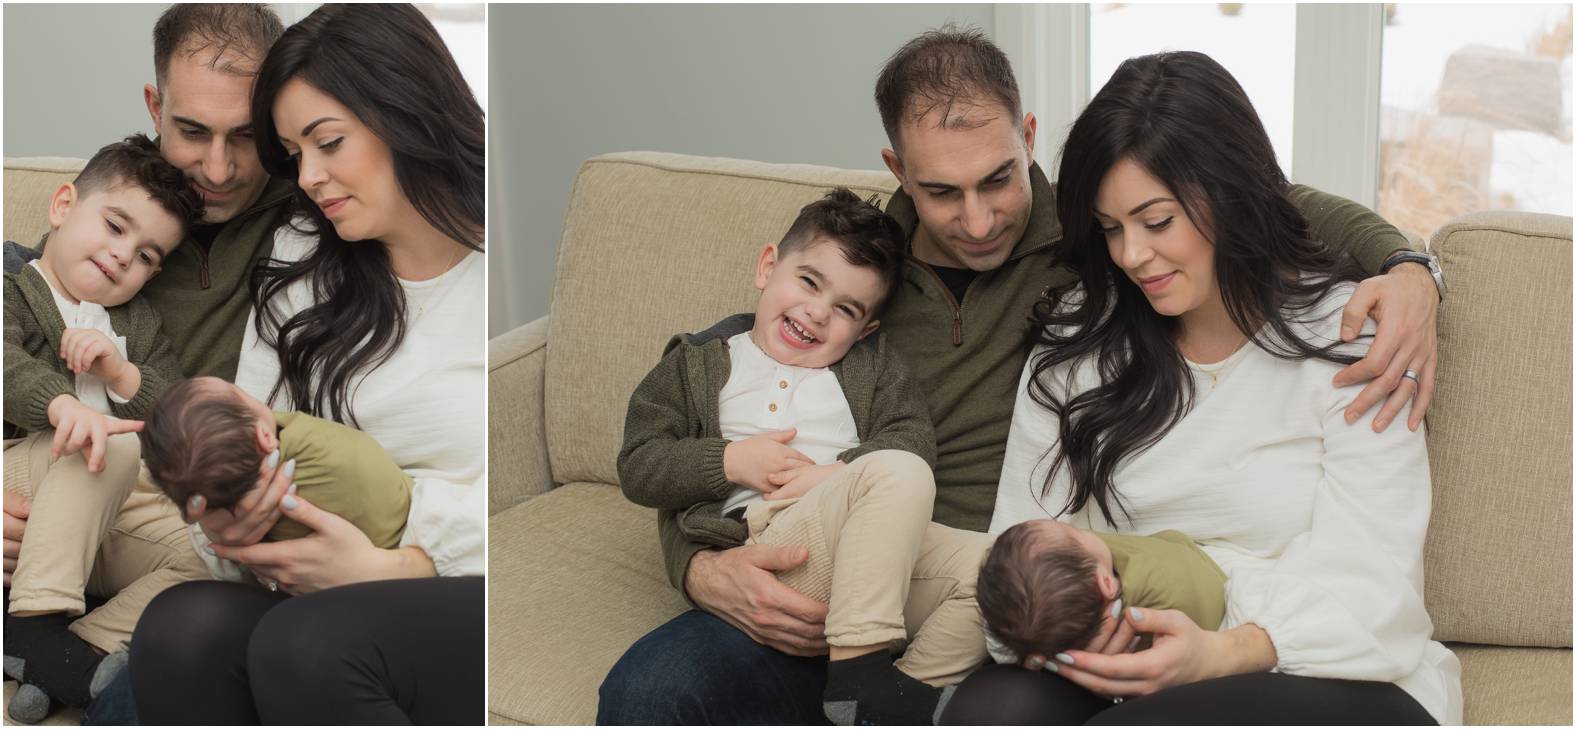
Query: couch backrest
{"points": [[29, 184], [1498, 559], [653, 245]]}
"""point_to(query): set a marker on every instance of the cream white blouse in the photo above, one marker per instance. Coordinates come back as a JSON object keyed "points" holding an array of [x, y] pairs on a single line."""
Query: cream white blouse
{"points": [[1318, 525]]}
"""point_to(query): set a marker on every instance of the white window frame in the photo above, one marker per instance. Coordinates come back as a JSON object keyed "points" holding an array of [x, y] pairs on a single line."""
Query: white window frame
{"points": [[1335, 112]]}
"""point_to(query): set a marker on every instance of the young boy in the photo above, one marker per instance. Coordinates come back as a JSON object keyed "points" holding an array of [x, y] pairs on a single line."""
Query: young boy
{"points": [[208, 437], [795, 427], [1046, 585], [84, 358]]}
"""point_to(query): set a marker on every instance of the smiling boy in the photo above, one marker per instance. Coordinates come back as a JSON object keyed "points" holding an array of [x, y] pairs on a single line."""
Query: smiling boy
{"points": [[82, 352], [795, 428]]}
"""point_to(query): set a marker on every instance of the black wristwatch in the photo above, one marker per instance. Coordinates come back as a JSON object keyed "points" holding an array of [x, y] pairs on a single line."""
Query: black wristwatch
{"points": [[1427, 259]]}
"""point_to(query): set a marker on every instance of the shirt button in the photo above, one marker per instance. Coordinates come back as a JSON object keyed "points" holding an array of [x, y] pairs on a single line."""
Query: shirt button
{"points": [[772, 407], [782, 384]]}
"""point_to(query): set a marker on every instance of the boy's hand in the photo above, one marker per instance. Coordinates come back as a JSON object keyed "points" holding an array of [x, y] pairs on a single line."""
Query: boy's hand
{"points": [[751, 461], [90, 351], [78, 426], [798, 481]]}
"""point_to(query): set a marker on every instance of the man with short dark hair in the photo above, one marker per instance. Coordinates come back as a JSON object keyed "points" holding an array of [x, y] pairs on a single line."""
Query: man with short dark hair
{"points": [[981, 216], [206, 57]]}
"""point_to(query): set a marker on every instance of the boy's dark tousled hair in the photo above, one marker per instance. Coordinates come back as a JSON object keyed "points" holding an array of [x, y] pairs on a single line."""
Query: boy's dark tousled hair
{"points": [[230, 30], [197, 442], [1038, 598], [865, 234], [136, 161], [942, 68]]}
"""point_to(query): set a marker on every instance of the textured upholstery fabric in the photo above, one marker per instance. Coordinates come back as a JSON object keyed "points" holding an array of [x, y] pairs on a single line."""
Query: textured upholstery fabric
{"points": [[655, 244], [1515, 685], [517, 450], [29, 184], [575, 577], [1499, 549]]}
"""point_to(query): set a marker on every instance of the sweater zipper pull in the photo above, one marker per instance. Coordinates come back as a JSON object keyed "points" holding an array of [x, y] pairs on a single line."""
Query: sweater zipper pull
{"points": [[203, 270], [957, 327]]}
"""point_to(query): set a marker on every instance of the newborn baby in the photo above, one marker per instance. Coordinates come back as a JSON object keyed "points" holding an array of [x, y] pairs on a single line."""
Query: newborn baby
{"points": [[208, 437], [1046, 585]]}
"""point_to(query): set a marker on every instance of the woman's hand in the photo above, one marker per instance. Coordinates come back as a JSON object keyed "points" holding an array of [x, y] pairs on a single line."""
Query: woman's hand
{"points": [[1182, 653], [1116, 635], [253, 515], [335, 554]]}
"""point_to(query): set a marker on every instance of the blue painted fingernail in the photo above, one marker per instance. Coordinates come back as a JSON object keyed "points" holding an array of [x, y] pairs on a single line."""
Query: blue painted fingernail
{"points": [[291, 490], [208, 549], [289, 468], [273, 459], [1136, 613], [288, 502], [1116, 609], [1064, 658], [1053, 668], [197, 502]]}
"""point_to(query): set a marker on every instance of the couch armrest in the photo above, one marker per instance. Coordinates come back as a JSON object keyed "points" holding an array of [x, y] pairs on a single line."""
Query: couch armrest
{"points": [[516, 441]]}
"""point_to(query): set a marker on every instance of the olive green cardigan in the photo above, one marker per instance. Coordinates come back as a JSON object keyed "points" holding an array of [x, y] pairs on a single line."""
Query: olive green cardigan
{"points": [[672, 454], [34, 372]]}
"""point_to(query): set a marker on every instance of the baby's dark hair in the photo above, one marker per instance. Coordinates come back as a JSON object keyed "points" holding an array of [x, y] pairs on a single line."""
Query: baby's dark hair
{"points": [[136, 161], [200, 440], [865, 234], [1039, 597]]}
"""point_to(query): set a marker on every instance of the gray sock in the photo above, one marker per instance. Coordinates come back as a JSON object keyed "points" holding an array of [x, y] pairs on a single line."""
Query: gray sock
{"points": [[13, 667], [29, 705], [107, 670]]}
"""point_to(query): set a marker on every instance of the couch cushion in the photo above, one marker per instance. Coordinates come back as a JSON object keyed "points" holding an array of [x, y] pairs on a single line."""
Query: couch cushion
{"points": [[1515, 685], [29, 184], [575, 577], [653, 245], [1499, 547]]}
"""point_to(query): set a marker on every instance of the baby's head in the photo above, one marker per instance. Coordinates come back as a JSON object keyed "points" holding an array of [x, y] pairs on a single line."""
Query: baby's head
{"points": [[823, 286], [1045, 586], [111, 228], [206, 436]]}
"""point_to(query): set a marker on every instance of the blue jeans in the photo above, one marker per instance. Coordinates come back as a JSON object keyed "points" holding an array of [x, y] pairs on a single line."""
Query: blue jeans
{"points": [[697, 669], [113, 706]]}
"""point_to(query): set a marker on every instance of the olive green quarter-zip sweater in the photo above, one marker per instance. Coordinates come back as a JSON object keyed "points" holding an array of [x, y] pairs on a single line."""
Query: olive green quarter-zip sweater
{"points": [[967, 356], [202, 295]]}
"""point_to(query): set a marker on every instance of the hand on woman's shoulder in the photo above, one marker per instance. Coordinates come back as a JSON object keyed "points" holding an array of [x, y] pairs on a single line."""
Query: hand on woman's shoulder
{"points": [[1319, 324]]}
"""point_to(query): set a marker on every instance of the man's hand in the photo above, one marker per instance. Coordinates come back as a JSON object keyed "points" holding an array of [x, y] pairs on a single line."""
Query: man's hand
{"points": [[253, 515], [78, 426], [750, 462], [90, 351], [797, 481], [17, 508], [1405, 303], [738, 585]]}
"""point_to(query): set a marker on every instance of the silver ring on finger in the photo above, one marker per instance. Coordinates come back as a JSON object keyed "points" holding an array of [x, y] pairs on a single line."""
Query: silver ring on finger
{"points": [[273, 585], [1411, 375], [1116, 699]]}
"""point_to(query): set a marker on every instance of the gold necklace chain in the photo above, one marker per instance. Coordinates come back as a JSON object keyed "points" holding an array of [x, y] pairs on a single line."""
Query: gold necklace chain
{"points": [[437, 284]]}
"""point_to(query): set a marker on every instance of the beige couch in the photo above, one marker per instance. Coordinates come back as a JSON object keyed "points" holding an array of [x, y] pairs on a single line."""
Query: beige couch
{"points": [[658, 243]]}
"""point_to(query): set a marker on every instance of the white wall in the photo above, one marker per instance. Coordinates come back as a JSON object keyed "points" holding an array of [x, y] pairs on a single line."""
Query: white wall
{"points": [[74, 74], [770, 83]]}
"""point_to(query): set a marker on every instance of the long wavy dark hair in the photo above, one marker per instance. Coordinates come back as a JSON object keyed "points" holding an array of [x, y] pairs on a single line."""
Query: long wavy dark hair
{"points": [[388, 65], [1183, 119]]}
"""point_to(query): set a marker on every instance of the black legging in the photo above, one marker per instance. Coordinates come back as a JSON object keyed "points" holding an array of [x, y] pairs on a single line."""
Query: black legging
{"points": [[1000, 694], [391, 652]]}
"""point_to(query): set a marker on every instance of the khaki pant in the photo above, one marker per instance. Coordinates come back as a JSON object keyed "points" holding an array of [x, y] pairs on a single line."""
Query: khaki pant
{"points": [[110, 534], [885, 570]]}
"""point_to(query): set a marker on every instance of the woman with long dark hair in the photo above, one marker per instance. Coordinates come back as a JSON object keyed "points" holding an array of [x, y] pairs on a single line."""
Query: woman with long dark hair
{"points": [[369, 313], [1183, 381]]}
